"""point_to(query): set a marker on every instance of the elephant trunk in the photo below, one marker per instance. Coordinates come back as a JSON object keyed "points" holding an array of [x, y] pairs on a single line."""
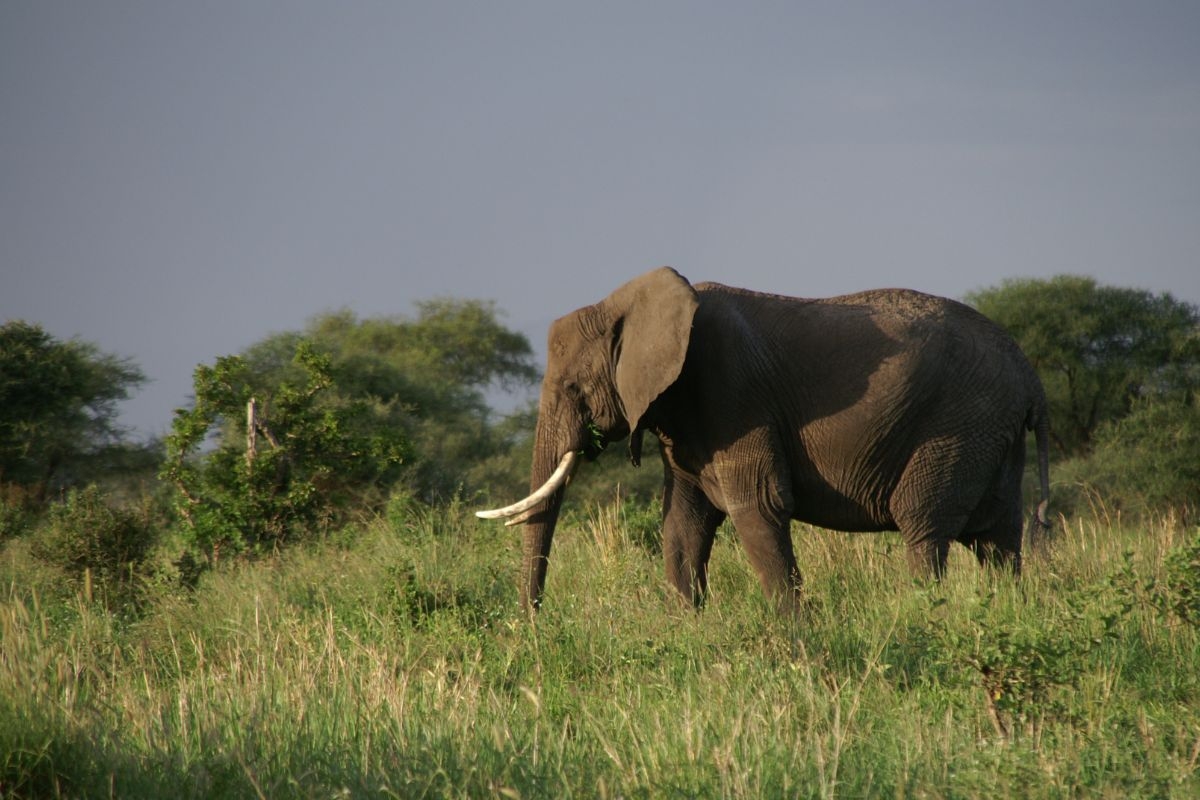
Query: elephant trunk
{"points": [[548, 451], [539, 532], [555, 458]]}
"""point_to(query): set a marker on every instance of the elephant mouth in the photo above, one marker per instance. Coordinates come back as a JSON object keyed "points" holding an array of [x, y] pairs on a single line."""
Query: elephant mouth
{"points": [[595, 442]]}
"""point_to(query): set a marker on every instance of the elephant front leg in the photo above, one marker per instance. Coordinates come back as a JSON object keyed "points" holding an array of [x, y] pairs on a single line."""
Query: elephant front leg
{"points": [[755, 483], [768, 543], [926, 556], [690, 523]]}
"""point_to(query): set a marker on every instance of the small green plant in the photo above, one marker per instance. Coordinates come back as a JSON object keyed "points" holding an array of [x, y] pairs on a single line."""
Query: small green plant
{"points": [[597, 441], [1182, 567], [1173, 594], [1018, 668], [643, 520], [402, 509], [98, 545], [1023, 664]]}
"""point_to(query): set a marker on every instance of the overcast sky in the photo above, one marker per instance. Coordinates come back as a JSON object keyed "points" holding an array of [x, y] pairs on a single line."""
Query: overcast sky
{"points": [[180, 179]]}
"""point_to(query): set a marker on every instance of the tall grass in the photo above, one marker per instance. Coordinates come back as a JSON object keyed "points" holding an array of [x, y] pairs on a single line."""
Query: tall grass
{"points": [[395, 662]]}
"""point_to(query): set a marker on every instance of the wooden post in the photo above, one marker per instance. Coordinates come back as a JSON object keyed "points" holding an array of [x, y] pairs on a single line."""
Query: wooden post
{"points": [[251, 432]]}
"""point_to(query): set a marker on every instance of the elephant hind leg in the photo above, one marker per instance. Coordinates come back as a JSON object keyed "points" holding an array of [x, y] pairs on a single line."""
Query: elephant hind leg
{"points": [[998, 547], [997, 553], [995, 529], [933, 502]]}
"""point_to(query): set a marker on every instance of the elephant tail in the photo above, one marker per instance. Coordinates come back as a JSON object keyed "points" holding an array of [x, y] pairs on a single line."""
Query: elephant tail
{"points": [[1039, 422]]}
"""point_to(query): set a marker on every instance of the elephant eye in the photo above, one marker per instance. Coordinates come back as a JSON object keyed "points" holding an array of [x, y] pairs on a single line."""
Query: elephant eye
{"points": [[575, 391]]}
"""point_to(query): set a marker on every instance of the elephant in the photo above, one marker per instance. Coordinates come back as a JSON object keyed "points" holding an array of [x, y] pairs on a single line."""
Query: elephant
{"points": [[886, 410]]}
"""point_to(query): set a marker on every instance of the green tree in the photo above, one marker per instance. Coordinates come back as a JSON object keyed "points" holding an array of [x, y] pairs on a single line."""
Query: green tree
{"points": [[1097, 348], [430, 376], [292, 457], [58, 410]]}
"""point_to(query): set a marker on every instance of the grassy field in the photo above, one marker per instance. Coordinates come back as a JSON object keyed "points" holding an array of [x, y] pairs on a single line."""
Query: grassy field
{"points": [[393, 662]]}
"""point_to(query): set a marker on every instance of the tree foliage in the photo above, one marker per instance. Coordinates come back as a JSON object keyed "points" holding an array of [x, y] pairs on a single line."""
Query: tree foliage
{"points": [[346, 410], [1097, 348], [297, 463], [58, 408], [430, 376]]}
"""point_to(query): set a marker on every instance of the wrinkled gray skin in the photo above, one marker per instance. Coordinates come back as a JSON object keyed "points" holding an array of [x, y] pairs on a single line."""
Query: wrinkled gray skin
{"points": [[885, 410]]}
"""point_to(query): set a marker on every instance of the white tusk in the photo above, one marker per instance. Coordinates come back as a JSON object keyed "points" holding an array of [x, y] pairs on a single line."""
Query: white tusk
{"points": [[519, 518], [553, 484]]}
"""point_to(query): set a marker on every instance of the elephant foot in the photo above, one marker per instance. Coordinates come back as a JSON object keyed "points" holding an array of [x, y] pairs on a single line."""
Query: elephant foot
{"points": [[927, 559]]}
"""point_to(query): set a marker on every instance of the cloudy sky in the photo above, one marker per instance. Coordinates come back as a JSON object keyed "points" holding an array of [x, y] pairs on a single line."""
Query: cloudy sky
{"points": [[180, 179]]}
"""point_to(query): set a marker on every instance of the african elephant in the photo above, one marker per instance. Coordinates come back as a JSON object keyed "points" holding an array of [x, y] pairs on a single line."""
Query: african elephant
{"points": [[884, 410]]}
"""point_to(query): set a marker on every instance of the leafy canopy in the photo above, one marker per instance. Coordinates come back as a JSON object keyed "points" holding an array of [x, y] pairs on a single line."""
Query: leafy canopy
{"points": [[1097, 348], [345, 412], [58, 408], [429, 376]]}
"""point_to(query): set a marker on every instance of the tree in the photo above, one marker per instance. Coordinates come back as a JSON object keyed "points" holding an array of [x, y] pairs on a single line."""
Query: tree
{"points": [[58, 408], [292, 457], [429, 376], [1097, 348]]}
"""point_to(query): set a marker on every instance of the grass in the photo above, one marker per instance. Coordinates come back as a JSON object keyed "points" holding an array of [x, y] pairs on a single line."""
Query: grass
{"points": [[395, 663]]}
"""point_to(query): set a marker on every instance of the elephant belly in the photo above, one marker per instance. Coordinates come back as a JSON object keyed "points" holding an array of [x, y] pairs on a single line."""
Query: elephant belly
{"points": [[826, 507], [848, 492]]}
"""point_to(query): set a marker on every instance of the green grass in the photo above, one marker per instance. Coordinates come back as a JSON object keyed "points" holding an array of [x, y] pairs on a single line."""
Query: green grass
{"points": [[395, 663]]}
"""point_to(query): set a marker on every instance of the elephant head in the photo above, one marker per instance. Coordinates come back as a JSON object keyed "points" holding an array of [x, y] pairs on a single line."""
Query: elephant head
{"points": [[606, 364]]}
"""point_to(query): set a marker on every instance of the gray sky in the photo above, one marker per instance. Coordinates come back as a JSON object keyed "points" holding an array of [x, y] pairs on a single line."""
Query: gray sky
{"points": [[180, 179]]}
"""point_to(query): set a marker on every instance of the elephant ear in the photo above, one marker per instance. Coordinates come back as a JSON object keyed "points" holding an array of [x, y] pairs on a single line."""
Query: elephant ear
{"points": [[653, 323]]}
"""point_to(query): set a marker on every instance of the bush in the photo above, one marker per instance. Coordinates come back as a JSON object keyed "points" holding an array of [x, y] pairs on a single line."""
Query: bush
{"points": [[17, 514], [1028, 665], [1182, 568], [1155, 451], [93, 542], [1175, 593], [1148, 461]]}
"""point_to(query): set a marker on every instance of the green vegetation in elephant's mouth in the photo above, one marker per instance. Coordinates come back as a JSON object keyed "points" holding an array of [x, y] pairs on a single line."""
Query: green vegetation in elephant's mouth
{"points": [[596, 442]]}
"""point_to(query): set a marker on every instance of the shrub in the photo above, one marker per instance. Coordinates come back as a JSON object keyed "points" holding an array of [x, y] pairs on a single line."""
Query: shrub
{"points": [[93, 542], [17, 514], [1150, 460], [1026, 665], [1183, 580], [1174, 594]]}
